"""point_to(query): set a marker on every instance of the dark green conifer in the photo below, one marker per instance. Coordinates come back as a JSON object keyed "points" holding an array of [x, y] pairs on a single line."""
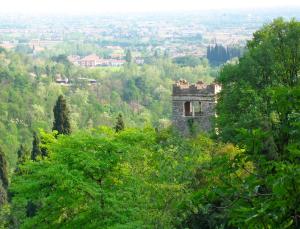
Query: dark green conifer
{"points": [[3, 195], [128, 56], [31, 209], [119, 124], [36, 150], [23, 154], [48, 70], [61, 117], [3, 170]]}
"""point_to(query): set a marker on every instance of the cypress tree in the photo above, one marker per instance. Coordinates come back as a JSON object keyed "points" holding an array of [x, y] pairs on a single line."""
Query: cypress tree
{"points": [[3, 195], [208, 53], [23, 154], [128, 56], [119, 124], [36, 151], [48, 70], [3, 179], [3, 170], [61, 117], [31, 209]]}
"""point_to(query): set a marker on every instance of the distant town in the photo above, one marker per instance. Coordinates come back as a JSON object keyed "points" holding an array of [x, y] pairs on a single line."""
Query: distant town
{"points": [[103, 40]]}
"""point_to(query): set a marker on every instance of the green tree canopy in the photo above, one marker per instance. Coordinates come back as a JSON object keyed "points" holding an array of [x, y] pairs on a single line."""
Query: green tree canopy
{"points": [[135, 178], [258, 110]]}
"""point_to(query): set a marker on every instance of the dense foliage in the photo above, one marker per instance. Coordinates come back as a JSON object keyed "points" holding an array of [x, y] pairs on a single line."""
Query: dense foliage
{"points": [[101, 179], [140, 93], [258, 110], [189, 61], [246, 176]]}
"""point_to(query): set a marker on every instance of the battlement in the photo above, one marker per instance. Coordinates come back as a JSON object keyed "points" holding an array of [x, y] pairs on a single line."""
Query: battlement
{"points": [[184, 88]]}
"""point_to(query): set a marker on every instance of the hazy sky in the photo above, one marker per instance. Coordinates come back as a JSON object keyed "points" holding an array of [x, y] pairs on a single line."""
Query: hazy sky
{"points": [[90, 6]]}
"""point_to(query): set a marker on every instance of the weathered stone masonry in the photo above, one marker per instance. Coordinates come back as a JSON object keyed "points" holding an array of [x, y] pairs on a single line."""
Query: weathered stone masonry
{"points": [[194, 106]]}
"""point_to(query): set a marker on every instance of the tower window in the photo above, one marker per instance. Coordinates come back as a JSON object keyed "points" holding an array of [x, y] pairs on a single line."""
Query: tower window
{"points": [[188, 109], [197, 108]]}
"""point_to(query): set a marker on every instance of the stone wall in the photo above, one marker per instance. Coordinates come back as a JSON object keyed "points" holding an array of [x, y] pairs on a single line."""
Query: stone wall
{"points": [[198, 122]]}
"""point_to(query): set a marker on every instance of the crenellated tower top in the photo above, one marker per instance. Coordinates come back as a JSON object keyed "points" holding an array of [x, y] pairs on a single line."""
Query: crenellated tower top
{"points": [[183, 87]]}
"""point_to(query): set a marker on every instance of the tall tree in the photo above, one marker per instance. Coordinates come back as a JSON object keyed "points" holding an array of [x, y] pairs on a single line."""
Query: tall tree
{"points": [[36, 150], [3, 198], [120, 123], [3, 179], [48, 70], [3, 170], [258, 110], [128, 56], [219, 54], [61, 117], [23, 154], [21, 151]]}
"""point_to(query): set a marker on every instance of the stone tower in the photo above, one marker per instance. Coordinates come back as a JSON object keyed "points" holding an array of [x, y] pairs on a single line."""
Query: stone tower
{"points": [[194, 106]]}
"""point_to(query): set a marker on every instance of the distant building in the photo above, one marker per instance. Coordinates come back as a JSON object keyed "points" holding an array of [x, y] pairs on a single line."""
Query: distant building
{"points": [[74, 59], [39, 45], [117, 56], [7, 45], [193, 106], [89, 81], [62, 81], [139, 61], [116, 63], [90, 61], [94, 61], [66, 82]]}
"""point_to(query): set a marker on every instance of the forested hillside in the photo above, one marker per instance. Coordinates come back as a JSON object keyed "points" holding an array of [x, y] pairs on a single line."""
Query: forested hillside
{"points": [[133, 171], [29, 91]]}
